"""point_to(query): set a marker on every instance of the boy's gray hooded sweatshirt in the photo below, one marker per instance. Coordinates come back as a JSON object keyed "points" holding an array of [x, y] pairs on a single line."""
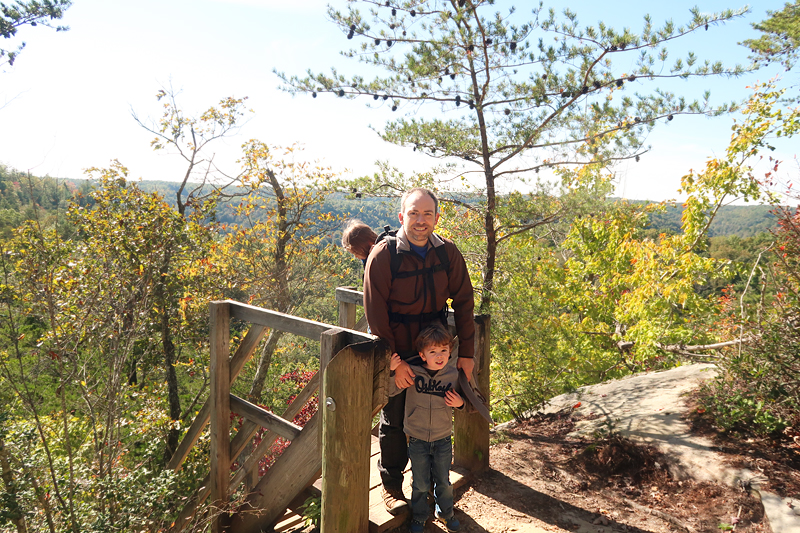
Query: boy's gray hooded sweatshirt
{"points": [[427, 417]]}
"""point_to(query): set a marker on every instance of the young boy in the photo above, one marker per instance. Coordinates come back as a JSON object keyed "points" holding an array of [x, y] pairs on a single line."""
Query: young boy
{"points": [[429, 423], [358, 239]]}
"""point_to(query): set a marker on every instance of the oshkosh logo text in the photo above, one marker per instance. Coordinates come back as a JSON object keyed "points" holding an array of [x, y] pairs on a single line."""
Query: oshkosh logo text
{"points": [[432, 386]]}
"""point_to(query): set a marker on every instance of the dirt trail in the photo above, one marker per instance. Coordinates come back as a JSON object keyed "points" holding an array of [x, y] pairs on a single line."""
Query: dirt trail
{"points": [[649, 408], [650, 473]]}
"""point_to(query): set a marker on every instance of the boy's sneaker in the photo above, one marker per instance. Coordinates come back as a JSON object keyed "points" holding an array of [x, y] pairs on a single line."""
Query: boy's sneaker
{"points": [[452, 523], [416, 526], [394, 500]]}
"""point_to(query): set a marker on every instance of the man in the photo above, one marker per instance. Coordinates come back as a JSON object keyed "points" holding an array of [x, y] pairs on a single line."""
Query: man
{"points": [[428, 270]]}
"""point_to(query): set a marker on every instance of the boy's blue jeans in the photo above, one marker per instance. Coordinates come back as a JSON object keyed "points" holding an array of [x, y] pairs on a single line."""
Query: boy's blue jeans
{"points": [[430, 462]]}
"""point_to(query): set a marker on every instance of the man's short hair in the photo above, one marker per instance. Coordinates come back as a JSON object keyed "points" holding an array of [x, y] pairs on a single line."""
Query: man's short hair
{"points": [[358, 238], [423, 191], [433, 335]]}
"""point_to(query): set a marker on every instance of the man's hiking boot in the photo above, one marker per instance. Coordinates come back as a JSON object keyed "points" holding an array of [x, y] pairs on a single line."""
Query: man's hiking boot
{"points": [[452, 523], [393, 500], [416, 526]]}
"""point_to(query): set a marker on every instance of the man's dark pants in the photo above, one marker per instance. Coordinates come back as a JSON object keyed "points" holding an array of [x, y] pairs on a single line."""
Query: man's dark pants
{"points": [[392, 439], [394, 449]]}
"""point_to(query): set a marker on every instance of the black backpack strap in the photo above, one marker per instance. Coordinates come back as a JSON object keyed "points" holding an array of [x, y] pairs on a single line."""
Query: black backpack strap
{"points": [[421, 318], [390, 236], [444, 264], [394, 257], [443, 259]]}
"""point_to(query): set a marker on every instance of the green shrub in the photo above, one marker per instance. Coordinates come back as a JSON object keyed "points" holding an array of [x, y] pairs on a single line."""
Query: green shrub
{"points": [[758, 387]]}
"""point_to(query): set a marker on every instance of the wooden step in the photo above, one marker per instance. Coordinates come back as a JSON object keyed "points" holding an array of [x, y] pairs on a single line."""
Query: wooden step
{"points": [[380, 520]]}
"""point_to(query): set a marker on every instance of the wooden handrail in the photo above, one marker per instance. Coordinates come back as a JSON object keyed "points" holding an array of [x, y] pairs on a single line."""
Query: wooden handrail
{"points": [[219, 393], [243, 353], [269, 438], [362, 363], [264, 418], [349, 295], [303, 327], [242, 437]]}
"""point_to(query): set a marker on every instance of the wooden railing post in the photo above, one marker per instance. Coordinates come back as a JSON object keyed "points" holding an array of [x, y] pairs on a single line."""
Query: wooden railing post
{"points": [[346, 405], [330, 343], [347, 298], [220, 319], [471, 431]]}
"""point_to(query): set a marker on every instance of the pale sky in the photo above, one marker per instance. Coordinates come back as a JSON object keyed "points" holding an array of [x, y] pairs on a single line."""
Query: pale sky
{"points": [[67, 102]]}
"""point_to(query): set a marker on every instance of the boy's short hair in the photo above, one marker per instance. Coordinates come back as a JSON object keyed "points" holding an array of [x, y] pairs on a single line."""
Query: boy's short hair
{"points": [[358, 238], [433, 335]]}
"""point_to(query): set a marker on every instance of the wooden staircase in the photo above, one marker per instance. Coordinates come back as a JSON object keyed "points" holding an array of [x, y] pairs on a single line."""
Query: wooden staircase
{"points": [[336, 443]]}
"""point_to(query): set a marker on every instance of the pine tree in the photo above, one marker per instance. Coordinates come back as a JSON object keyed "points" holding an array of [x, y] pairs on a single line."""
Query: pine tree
{"points": [[780, 39], [28, 13], [514, 96]]}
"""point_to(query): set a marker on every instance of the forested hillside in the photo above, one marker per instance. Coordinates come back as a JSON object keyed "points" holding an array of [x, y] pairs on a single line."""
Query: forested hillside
{"points": [[738, 220], [16, 187]]}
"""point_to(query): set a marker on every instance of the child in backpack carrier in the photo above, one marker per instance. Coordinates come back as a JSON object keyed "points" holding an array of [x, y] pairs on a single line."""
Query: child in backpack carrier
{"points": [[358, 239], [428, 423]]}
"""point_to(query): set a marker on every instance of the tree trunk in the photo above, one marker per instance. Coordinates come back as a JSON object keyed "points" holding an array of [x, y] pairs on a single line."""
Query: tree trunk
{"points": [[168, 346], [491, 245], [13, 510], [254, 396]]}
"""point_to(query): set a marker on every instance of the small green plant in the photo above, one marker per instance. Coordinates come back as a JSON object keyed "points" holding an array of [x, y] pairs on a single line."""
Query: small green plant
{"points": [[607, 429], [498, 437], [734, 407], [312, 511]]}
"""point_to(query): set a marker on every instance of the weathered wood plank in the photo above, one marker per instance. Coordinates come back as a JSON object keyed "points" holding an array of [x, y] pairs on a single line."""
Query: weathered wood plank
{"points": [[347, 315], [242, 355], [264, 418], [243, 437], [248, 345], [331, 342], [346, 421], [380, 376], [290, 521], [471, 431], [349, 295], [200, 495], [353, 295], [380, 521], [303, 327], [269, 438], [220, 410], [273, 319], [191, 436], [298, 466], [374, 474]]}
